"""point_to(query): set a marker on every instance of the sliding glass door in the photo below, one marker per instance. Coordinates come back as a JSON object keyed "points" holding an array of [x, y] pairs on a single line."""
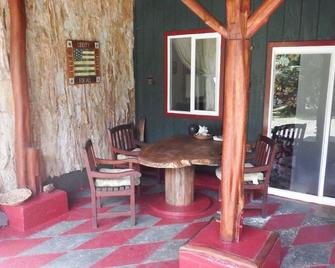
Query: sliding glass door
{"points": [[329, 181], [301, 118]]}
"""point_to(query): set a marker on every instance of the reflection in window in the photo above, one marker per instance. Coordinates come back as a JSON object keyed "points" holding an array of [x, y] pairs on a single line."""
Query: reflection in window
{"points": [[193, 74]]}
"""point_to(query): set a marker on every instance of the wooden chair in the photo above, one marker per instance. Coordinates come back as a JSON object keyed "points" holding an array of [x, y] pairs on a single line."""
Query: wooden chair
{"points": [[110, 182], [287, 138], [257, 172], [125, 145]]}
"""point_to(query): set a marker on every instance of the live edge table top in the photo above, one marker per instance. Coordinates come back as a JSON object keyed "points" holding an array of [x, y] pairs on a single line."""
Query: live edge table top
{"points": [[181, 151]]}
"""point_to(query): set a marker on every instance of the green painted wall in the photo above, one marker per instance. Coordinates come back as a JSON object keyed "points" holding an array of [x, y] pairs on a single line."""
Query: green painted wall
{"points": [[294, 20]]}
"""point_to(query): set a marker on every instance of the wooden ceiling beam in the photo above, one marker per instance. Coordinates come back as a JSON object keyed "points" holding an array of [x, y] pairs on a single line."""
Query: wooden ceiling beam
{"points": [[261, 16], [204, 15]]}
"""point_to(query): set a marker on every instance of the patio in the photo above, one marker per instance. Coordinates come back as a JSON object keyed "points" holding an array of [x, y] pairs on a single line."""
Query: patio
{"points": [[70, 72], [307, 233]]}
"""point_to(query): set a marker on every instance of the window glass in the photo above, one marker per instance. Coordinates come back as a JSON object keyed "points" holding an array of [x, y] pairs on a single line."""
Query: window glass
{"points": [[180, 72], [193, 72]]}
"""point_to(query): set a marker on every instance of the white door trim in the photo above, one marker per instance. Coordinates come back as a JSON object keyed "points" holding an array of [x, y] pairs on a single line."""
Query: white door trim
{"points": [[302, 197]]}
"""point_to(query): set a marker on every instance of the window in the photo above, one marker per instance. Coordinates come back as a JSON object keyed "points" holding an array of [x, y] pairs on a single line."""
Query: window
{"points": [[193, 74]]}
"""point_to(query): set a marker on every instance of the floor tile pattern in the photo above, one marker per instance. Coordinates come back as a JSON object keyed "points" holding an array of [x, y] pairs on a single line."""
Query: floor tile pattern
{"points": [[307, 235]]}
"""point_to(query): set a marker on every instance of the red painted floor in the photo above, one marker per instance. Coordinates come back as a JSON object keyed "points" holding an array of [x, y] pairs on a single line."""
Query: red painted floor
{"points": [[307, 234]]}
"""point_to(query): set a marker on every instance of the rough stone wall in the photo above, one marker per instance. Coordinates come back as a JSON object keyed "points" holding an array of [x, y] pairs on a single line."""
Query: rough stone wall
{"points": [[62, 116], [7, 164]]}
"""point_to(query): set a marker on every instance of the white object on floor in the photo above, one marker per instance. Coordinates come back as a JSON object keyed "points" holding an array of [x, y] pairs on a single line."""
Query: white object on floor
{"points": [[217, 138], [15, 197]]}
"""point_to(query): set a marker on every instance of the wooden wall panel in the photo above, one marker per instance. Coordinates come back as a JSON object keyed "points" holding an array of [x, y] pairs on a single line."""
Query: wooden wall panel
{"points": [[292, 19], [275, 26], [295, 20], [326, 23], [309, 19], [257, 74], [219, 10], [139, 54], [166, 16]]}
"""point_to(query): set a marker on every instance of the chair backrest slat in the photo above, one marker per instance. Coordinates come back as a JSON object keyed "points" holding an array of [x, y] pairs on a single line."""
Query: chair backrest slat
{"points": [[265, 148], [121, 135], [129, 139], [288, 135]]}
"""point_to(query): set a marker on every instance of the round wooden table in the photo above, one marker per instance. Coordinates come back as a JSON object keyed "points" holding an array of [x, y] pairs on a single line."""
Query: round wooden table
{"points": [[178, 155]]}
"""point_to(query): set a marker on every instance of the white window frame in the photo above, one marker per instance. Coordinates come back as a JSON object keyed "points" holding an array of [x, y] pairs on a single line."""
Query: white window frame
{"points": [[194, 37]]}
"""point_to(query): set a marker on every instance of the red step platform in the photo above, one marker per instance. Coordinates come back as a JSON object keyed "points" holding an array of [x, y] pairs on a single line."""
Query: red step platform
{"points": [[256, 248], [37, 210]]}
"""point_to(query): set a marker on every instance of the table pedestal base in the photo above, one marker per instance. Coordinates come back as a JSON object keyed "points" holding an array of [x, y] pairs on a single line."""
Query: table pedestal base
{"points": [[202, 206], [179, 186]]}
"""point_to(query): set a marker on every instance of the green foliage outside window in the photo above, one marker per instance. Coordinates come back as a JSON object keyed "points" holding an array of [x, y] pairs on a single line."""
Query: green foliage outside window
{"points": [[287, 68]]}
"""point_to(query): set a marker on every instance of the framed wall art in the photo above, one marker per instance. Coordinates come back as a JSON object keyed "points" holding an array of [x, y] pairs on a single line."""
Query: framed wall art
{"points": [[83, 62]]}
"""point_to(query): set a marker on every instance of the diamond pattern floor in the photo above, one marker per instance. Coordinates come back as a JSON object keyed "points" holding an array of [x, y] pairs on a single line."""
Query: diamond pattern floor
{"points": [[307, 233]]}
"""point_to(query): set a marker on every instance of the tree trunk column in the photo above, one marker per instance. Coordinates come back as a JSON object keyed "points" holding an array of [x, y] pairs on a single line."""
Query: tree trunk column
{"points": [[234, 132], [179, 186]]}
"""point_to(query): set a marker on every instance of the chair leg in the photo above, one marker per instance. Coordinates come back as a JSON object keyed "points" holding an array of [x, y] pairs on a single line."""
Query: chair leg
{"points": [[132, 208], [251, 196], [94, 211], [139, 190], [98, 202]]}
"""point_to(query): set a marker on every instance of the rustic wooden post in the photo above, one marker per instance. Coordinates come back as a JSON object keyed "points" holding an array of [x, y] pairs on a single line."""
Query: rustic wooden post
{"points": [[238, 30], [235, 118], [20, 88]]}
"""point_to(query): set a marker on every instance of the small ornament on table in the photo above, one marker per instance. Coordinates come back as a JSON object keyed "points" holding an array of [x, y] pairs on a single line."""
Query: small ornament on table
{"points": [[193, 129], [202, 133]]}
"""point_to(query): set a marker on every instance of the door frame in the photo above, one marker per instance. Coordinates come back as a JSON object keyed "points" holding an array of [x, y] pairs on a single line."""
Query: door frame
{"points": [[267, 116]]}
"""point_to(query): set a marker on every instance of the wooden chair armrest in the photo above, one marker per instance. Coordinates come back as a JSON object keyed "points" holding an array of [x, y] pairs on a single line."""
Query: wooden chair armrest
{"points": [[129, 153], [128, 161], [106, 175], [256, 169]]}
